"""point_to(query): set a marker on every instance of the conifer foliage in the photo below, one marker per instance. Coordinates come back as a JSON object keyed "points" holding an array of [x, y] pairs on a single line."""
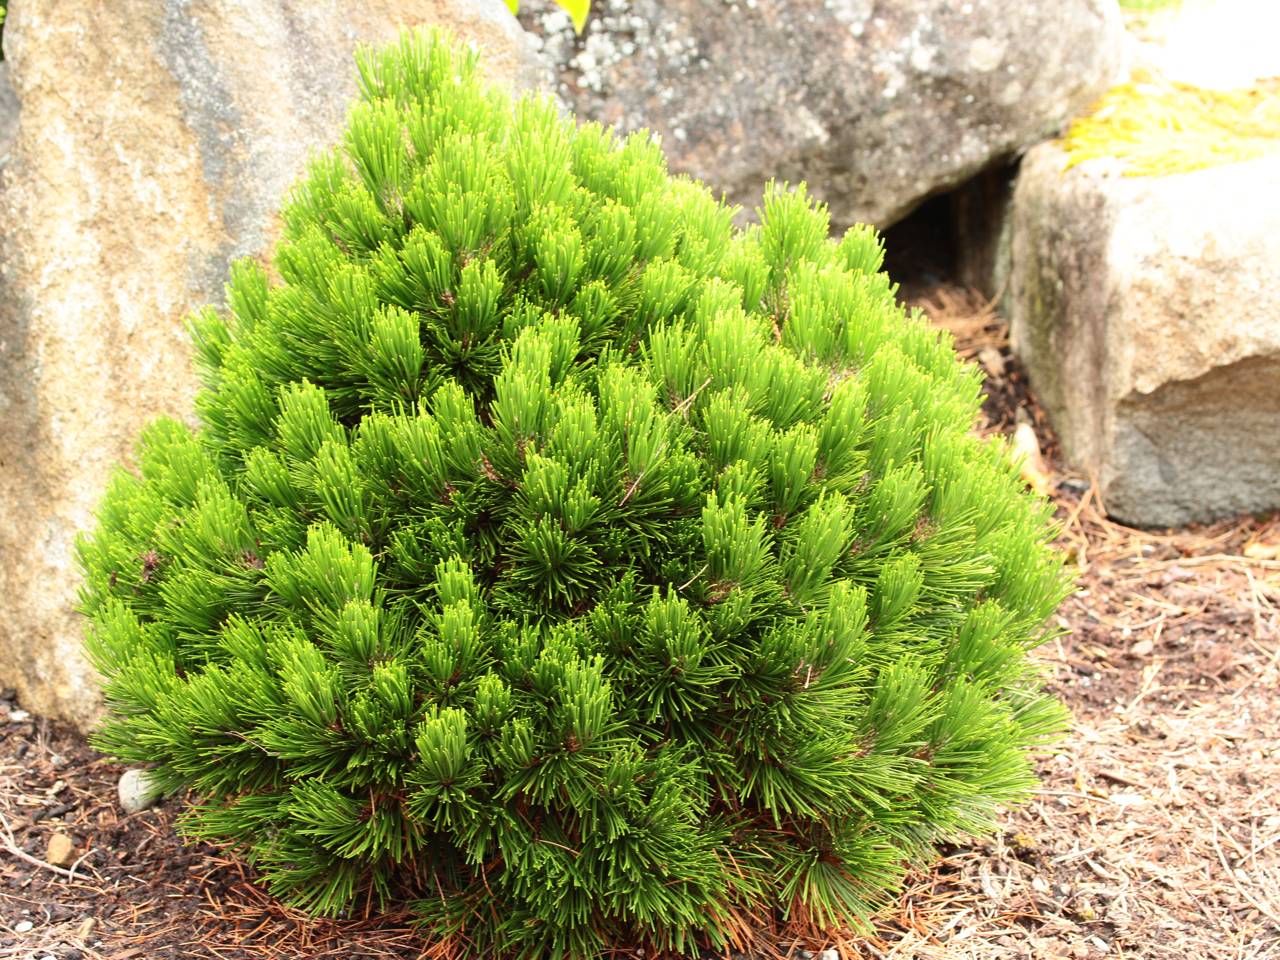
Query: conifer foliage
{"points": [[558, 557]]}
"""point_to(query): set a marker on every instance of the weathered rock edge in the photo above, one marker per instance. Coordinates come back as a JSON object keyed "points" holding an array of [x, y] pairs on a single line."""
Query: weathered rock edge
{"points": [[1147, 312]]}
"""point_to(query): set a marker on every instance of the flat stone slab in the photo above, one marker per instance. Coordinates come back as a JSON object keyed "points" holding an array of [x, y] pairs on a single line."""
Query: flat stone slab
{"points": [[1147, 312]]}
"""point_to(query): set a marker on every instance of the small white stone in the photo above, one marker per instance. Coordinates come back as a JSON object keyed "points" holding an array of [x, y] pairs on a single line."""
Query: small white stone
{"points": [[19, 716], [23, 926], [1128, 799], [137, 790], [831, 953]]}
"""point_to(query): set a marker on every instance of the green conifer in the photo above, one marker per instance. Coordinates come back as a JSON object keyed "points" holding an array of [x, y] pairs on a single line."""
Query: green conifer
{"points": [[563, 558]]}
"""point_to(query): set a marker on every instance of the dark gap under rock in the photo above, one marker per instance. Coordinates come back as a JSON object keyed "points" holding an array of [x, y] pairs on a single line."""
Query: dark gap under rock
{"points": [[957, 237]]}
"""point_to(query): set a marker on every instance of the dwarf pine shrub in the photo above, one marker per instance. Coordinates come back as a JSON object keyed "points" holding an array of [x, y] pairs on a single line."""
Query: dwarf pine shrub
{"points": [[558, 557]]}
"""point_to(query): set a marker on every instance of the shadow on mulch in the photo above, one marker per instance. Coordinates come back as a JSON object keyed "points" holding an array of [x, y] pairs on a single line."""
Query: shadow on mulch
{"points": [[1155, 834]]}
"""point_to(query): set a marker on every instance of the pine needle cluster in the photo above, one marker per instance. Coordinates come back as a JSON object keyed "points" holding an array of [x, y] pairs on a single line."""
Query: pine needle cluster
{"points": [[558, 557]]}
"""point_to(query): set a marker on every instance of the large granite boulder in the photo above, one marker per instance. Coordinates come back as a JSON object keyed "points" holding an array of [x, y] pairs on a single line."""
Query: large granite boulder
{"points": [[155, 139], [878, 104], [1147, 312]]}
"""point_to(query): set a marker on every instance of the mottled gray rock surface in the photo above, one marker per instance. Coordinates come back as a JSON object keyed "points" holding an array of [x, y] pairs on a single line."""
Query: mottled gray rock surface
{"points": [[1147, 312], [8, 114], [154, 142], [878, 104]]}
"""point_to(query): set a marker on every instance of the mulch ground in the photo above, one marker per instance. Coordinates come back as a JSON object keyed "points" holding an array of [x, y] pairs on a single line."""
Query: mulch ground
{"points": [[1155, 834]]}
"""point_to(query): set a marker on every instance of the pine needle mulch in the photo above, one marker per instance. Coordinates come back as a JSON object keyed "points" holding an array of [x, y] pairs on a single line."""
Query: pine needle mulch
{"points": [[133, 890], [1155, 835]]}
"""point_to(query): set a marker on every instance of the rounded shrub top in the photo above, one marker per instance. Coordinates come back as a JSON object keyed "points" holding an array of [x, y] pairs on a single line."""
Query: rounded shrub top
{"points": [[563, 560]]}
